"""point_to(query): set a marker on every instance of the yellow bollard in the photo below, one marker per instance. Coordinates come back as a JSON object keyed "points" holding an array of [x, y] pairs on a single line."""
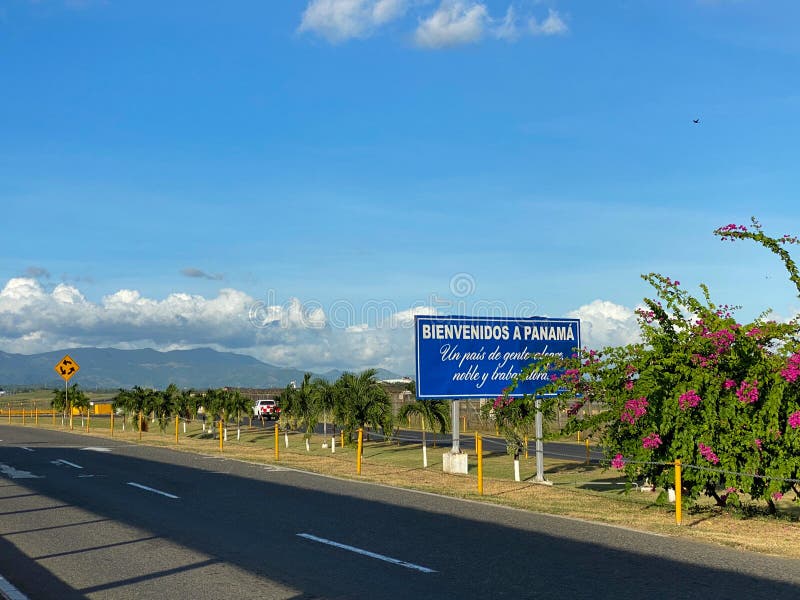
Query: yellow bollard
{"points": [[678, 507], [587, 451], [88, 419], [220, 435], [36, 410], [360, 449], [140, 426], [277, 445], [479, 451], [342, 434], [526, 447], [112, 423], [176, 429], [579, 436]]}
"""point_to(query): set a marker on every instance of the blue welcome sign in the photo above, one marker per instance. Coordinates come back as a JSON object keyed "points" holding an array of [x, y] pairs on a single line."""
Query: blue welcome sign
{"points": [[477, 357]]}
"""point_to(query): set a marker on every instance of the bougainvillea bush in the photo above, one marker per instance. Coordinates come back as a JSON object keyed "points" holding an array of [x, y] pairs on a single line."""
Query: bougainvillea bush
{"points": [[721, 395]]}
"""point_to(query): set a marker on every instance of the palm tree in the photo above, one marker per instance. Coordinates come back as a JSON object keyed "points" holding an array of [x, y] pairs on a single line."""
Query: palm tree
{"points": [[325, 395], [165, 404], [214, 403], [135, 402], [303, 407], [435, 413], [236, 403], [187, 403], [362, 400], [74, 398]]}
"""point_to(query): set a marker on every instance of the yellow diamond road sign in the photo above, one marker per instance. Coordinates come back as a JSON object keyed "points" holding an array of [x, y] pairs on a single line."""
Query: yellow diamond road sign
{"points": [[67, 368]]}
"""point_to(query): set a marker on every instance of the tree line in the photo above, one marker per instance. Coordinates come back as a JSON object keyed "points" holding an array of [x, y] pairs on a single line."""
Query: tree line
{"points": [[354, 401]]}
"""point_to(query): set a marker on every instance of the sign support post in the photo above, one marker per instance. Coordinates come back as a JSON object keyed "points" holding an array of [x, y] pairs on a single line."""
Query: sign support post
{"points": [[454, 427], [66, 368], [539, 445]]}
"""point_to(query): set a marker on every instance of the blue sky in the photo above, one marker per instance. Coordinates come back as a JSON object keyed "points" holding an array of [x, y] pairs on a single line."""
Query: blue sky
{"points": [[172, 172]]}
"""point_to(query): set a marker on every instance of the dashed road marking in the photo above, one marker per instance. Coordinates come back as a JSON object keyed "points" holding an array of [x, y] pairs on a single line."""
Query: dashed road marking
{"points": [[61, 461], [154, 490], [389, 559]]}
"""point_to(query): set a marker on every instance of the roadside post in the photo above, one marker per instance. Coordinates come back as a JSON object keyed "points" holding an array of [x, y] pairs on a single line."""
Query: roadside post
{"points": [[678, 505], [359, 451], [277, 445], [479, 450], [177, 420]]}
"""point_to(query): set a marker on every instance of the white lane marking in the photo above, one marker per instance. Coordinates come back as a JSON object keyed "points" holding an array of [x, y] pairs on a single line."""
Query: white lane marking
{"points": [[14, 474], [97, 449], [388, 559], [10, 591], [154, 490], [61, 461], [28, 449]]}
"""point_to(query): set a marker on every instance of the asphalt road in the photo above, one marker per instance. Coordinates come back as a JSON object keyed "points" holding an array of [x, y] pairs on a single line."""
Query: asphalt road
{"points": [[83, 518], [564, 450]]}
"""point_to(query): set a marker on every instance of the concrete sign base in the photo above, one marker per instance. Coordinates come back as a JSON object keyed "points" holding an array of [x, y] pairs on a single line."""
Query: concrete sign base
{"points": [[455, 463]]}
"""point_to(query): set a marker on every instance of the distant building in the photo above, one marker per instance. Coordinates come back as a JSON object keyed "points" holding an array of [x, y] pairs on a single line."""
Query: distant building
{"points": [[401, 380]]}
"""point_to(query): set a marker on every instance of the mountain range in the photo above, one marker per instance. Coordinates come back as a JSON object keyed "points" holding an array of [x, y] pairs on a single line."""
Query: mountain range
{"points": [[110, 368]]}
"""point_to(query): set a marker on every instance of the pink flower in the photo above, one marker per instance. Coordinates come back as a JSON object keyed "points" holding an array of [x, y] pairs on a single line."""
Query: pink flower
{"points": [[634, 409], [651, 441], [688, 399], [618, 462], [758, 443], [748, 392], [794, 420], [792, 370], [574, 408], [707, 453], [629, 385], [777, 496], [729, 383]]}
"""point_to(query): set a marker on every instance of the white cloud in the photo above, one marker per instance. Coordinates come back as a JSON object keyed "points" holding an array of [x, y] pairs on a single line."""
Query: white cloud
{"points": [[552, 25], [293, 333], [604, 323], [296, 334], [507, 29], [454, 23], [340, 20]]}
